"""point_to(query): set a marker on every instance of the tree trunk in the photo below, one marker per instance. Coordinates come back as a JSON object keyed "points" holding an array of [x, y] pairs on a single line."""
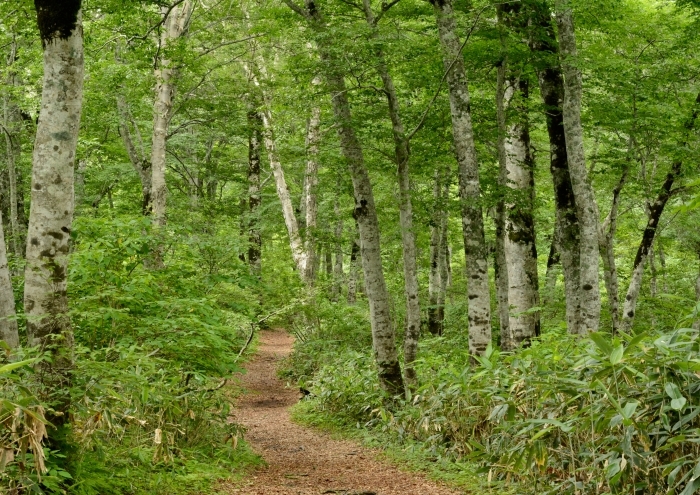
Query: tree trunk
{"points": [[313, 139], [402, 154], [255, 125], [553, 259], [383, 337], [299, 255], [608, 229], [504, 93], [436, 252], [51, 215], [519, 239], [655, 211], [446, 267], [517, 174], [468, 173], [138, 158], [328, 258], [8, 321], [587, 209], [566, 232], [365, 213], [354, 275], [444, 258], [338, 267], [175, 24], [290, 220], [12, 124], [80, 182]]}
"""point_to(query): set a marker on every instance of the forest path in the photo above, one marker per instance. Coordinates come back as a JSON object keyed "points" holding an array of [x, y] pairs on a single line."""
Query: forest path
{"points": [[300, 460]]}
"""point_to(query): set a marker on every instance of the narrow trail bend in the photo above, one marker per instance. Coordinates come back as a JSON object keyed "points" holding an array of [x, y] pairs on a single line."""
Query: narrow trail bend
{"points": [[301, 461]]}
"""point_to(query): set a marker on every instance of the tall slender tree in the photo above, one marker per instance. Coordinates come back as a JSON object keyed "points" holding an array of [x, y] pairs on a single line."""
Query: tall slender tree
{"points": [[468, 174], [51, 214], [176, 20], [567, 236], [365, 212], [584, 197], [402, 155]]}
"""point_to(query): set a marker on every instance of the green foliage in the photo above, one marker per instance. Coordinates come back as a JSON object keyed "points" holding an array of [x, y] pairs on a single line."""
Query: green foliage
{"points": [[150, 409], [563, 416], [172, 312], [22, 424], [146, 425]]}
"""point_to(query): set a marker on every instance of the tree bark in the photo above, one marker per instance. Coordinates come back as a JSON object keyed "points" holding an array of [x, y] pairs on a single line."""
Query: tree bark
{"points": [[553, 259], [586, 206], [354, 275], [437, 257], [402, 155], [290, 220], [313, 139], [517, 174], [138, 158], [12, 125], [468, 173], [365, 213], [296, 244], [608, 229], [338, 267], [255, 125], [519, 240], [444, 258], [655, 211], [175, 25], [566, 233], [504, 93], [51, 215], [8, 321]]}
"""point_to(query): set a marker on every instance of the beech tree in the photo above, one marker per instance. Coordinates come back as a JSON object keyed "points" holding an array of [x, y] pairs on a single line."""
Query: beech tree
{"points": [[365, 213], [176, 21], [584, 197], [51, 212], [468, 174]]}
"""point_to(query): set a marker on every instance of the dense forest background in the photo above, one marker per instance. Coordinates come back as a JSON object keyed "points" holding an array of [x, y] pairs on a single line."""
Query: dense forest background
{"points": [[478, 218]]}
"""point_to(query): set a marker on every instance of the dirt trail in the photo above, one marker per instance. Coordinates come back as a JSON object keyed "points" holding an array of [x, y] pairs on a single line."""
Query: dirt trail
{"points": [[301, 461]]}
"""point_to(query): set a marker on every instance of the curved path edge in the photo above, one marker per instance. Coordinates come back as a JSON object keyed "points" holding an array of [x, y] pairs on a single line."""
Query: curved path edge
{"points": [[301, 460]]}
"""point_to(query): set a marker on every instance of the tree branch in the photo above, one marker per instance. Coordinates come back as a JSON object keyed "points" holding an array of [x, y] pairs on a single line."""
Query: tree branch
{"points": [[444, 76]]}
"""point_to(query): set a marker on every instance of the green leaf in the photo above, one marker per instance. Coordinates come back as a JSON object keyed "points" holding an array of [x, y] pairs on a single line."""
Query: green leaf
{"points": [[564, 427], [691, 487], [13, 366], [616, 355], [629, 409], [601, 341], [634, 341], [678, 404], [541, 433], [673, 391]]}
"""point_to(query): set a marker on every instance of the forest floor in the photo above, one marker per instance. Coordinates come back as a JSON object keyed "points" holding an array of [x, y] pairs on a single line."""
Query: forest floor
{"points": [[300, 460]]}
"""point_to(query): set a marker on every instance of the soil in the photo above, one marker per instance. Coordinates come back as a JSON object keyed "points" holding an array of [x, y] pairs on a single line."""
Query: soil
{"points": [[301, 460]]}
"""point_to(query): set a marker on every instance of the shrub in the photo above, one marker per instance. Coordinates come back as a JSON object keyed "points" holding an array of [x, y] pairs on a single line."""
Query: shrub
{"points": [[618, 415]]}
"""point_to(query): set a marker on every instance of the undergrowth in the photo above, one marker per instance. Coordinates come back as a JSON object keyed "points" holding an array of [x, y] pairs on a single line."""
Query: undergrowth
{"points": [[150, 402], [598, 415]]}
